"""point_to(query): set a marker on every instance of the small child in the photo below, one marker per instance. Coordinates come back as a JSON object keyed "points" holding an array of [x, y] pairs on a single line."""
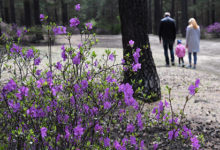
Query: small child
{"points": [[180, 52]]}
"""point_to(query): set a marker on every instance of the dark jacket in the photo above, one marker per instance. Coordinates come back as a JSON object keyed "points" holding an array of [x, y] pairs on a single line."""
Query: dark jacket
{"points": [[167, 30]]}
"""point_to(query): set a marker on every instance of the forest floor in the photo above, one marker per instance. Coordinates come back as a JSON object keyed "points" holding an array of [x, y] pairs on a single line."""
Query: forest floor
{"points": [[203, 110]]}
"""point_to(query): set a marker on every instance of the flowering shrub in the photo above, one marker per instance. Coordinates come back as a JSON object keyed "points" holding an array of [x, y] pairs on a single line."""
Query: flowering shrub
{"points": [[214, 28], [79, 102]]}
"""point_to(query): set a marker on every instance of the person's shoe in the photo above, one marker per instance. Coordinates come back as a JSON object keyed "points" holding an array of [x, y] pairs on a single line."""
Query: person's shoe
{"points": [[173, 64], [189, 66], [194, 67], [183, 65], [167, 65]]}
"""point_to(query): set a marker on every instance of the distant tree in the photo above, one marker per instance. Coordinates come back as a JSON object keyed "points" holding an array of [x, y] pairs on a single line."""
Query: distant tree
{"points": [[36, 12], [173, 8], [213, 11], [134, 22], [150, 22], [194, 10], [12, 12], [64, 12], [27, 13], [157, 15], [184, 19]]}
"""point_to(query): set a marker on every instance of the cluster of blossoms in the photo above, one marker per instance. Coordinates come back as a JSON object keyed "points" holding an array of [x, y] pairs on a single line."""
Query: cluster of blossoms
{"points": [[213, 28], [59, 30]]}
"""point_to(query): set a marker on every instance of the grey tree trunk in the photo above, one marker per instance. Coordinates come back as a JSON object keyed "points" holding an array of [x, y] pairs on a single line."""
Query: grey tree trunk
{"points": [[36, 12], [27, 13], [157, 16], [134, 22]]}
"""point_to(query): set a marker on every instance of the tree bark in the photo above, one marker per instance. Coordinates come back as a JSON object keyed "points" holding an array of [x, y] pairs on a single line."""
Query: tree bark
{"points": [[213, 11], [157, 16], [12, 12], [173, 8], [184, 17], [36, 12], [194, 10], [134, 22], [64, 12], [27, 13], [150, 16]]}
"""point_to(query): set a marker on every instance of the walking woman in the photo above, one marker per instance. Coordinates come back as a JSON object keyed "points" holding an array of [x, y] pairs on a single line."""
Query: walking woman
{"points": [[192, 41]]}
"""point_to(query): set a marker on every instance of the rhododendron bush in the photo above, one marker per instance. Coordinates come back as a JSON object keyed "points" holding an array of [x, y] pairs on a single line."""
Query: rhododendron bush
{"points": [[80, 102]]}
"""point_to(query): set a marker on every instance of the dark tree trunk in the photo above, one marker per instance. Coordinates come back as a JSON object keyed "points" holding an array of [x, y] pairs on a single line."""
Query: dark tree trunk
{"points": [[64, 12], [12, 11], [134, 22], [27, 13], [208, 13], [7, 20], [184, 13], [150, 16], [194, 10], [157, 15], [2, 10], [36, 12], [213, 11], [173, 8]]}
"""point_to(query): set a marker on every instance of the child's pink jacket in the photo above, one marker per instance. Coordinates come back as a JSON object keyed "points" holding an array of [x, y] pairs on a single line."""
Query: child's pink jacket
{"points": [[180, 50]]}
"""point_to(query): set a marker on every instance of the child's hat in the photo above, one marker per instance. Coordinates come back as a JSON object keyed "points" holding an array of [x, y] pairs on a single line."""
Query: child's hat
{"points": [[179, 41]]}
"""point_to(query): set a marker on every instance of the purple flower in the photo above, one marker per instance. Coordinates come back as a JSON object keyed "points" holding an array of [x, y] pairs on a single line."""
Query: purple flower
{"points": [[130, 128], [131, 43], [84, 84], [10, 86], [63, 55], [37, 61], [76, 59], [155, 146], [133, 140], [23, 91], [77, 7], [59, 30], [42, 17], [107, 105], [67, 133], [111, 57], [40, 82], [170, 135], [192, 89], [106, 142], [89, 26], [98, 128], [160, 106], [30, 53], [49, 74], [19, 33], [14, 106], [197, 83], [74, 22], [195, 143], [166, 104], [38, 72], [43, 131], [79, 45], [154, 110], [122, 61], [136, 67], [95, 63], [136, 55], [117, 145], [78, 131], [59, 66], [16, 49]]}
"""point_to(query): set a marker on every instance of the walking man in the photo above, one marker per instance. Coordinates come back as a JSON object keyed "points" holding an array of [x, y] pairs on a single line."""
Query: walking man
{"points": [[167, 32]]}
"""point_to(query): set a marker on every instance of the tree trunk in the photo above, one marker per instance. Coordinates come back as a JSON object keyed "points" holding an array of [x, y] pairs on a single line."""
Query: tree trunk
{"points": [[27, 13], [150, 16], [36, 12], [64, 12], [213, 11], [184, 17], [173, 8], [194, 10], [208, 13], [157, 16], [12, 11], [134, 22]]}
